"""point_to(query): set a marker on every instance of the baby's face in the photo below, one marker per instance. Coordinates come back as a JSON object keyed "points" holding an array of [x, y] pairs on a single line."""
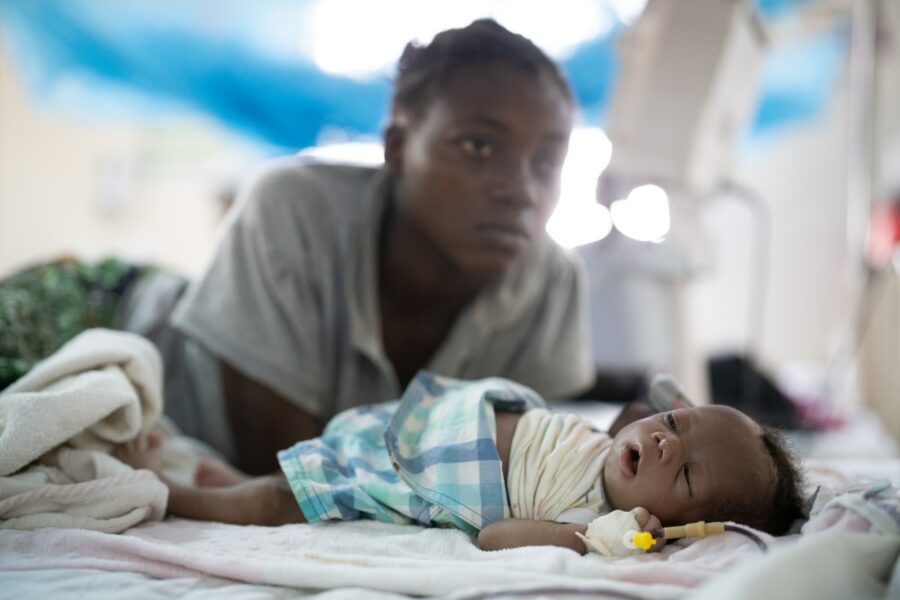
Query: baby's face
{"points": [[678, 464]]}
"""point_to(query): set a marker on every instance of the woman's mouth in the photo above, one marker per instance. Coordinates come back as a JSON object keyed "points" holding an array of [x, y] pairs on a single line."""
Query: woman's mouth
{"points": [[629, 460], [504, 236]]}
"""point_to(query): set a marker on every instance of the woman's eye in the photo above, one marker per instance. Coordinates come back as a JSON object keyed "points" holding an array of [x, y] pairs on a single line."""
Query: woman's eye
{"points": [[549, 165], [477, 147], [670, 420]]}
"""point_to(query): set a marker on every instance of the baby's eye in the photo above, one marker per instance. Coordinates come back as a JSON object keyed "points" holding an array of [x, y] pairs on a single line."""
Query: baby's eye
{"points": [[477, 147], [687, 479], [670, 420]]}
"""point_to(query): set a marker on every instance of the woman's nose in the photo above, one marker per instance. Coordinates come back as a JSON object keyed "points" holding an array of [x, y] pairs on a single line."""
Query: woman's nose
{"points": [[515, 186]]}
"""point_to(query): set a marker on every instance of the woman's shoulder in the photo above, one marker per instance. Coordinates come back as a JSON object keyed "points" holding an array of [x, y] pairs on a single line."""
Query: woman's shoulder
{"points": [[306, 204], [559, 261], [303, 183]]}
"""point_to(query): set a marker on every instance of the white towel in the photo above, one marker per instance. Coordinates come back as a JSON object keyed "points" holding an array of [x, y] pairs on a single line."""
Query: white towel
{"points": [[555, 466], [100, 389]]}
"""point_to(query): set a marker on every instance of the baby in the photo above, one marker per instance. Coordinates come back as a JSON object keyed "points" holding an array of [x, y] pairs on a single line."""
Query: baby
{"points": [[486, 457]]}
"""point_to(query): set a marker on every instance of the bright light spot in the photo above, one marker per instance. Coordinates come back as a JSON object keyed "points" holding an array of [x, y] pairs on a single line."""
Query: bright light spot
{"points": [[628, 11], [578, 219], [555, 27], [354, 153], [644, 215], [358, 38], [579, 226]]}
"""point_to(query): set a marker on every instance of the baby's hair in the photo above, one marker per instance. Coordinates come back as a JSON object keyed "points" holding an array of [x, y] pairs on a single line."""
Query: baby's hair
{"points": [[423, 71], [777, 505]]}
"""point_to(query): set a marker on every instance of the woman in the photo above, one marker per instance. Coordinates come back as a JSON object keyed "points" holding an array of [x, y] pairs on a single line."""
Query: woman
{"points": [[333, 284]]}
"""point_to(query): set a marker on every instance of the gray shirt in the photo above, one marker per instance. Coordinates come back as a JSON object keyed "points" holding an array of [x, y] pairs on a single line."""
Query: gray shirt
{"points": [[290, 299]]}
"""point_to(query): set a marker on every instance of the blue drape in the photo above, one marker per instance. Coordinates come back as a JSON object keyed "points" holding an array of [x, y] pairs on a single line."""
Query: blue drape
{"points": [[163, 57]]}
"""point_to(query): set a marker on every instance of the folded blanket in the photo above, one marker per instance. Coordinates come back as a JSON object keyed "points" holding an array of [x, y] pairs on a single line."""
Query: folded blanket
{"points": [[60, 420]]}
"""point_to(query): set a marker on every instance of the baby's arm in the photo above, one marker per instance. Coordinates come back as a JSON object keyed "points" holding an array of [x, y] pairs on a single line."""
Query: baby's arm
{"points": [[260, 501], [513, 533], [257, 501]]}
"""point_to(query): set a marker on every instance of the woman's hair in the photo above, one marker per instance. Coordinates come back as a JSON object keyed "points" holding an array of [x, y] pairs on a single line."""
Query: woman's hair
{"points": [[777, 505], [423, 72]]}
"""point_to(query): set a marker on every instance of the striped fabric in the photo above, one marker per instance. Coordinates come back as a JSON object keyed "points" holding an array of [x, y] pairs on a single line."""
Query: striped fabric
{"points": [[430, 458]]}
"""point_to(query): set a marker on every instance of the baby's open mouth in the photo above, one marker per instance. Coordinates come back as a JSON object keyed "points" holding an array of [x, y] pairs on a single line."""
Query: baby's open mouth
{"points": [[629, 459]]}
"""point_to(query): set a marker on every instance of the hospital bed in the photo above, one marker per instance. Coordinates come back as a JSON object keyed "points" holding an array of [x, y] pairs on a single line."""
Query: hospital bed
{"points": [[846, 550]]}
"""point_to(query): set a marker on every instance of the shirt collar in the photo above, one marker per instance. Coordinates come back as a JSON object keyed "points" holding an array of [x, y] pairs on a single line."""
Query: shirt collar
{"points": [[497, 308]]}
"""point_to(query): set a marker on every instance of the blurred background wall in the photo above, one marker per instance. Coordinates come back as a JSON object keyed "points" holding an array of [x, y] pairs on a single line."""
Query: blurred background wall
{"points": [[70, 186]]}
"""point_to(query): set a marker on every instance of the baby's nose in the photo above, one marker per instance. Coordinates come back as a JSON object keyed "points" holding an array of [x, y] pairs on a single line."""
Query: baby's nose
{"points": [[667, 444]]}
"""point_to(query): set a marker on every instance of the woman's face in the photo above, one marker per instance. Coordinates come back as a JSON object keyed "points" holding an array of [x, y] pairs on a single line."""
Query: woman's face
{"points": [[478, 173]]}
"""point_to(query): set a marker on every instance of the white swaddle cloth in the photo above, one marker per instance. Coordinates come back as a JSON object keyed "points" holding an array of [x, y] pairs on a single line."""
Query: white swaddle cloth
{"points": [[555, 467]]}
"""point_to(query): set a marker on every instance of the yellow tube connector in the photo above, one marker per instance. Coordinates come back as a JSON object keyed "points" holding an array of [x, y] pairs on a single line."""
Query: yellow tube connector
{"points": [[699, 529], [645, 540]]}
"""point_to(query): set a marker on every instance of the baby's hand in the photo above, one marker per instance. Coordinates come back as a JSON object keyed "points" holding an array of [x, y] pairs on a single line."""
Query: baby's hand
{"points": [[143, 452], [652, 524]]}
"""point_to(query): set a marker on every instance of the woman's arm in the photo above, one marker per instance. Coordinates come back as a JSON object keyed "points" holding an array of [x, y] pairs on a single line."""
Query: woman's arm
{"points": [[514, 533], [262, 422], [664, 395]]}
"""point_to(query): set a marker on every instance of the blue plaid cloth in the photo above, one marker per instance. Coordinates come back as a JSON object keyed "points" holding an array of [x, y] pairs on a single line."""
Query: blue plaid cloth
{"points": [[430, 458]]}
